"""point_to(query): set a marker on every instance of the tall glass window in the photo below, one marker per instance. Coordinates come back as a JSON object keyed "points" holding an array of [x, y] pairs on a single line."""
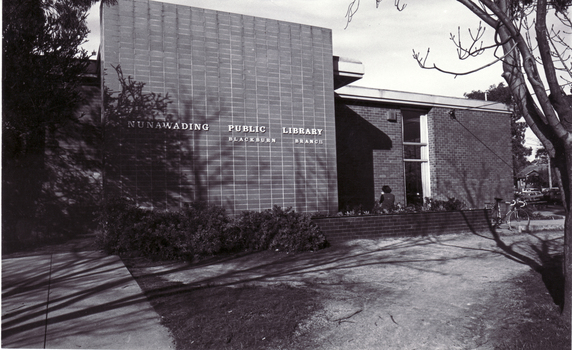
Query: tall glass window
{"points": [[416, 157]]}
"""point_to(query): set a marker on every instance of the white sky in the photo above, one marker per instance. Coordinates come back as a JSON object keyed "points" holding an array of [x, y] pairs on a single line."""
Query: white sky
{"points": [[382, 39]]}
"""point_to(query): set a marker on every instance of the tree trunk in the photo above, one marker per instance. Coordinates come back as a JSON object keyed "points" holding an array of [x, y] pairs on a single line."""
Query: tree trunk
{"points": [[567, 258]]}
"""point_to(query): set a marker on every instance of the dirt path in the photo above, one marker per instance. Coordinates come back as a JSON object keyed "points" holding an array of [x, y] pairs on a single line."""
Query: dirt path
{"points": [[445, 292], [434, 297]]}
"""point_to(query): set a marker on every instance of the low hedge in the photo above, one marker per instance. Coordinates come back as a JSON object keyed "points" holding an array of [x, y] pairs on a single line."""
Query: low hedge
{"points": [[203, 230]]}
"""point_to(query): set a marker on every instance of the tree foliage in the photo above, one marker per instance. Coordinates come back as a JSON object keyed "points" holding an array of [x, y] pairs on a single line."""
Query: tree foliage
{"points": [[43, 65]]}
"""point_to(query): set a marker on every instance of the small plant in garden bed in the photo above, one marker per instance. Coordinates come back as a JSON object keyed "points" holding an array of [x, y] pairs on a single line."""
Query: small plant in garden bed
{"points": [[203, 230], [430, 205]]}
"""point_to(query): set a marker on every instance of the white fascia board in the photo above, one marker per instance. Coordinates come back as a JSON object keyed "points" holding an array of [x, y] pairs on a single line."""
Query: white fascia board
{"points": [[417, 99], [350, 67]]}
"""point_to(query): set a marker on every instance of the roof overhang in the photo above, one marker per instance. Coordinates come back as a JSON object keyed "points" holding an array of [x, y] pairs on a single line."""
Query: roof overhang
{"points": [[413, 99], [346, 71]]}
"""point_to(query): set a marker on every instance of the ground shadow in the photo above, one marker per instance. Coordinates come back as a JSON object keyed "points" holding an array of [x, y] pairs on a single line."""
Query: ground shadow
{"points": [[543, 254], [90, 274], [300, 269], [39, 285]]}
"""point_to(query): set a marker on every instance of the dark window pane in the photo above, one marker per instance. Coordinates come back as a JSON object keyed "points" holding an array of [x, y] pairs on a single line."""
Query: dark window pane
{"points": [[413, 183], [411, 152], [411, 127]]}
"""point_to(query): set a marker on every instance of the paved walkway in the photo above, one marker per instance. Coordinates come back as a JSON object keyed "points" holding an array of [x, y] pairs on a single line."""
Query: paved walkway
{"points": [[72, 298]]}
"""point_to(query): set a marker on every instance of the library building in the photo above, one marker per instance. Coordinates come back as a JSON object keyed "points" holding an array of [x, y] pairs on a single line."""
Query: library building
{"points": [[261, 113]]}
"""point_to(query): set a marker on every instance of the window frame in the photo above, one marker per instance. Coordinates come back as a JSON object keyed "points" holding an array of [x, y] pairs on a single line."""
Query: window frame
{"points": [[424, 160]]}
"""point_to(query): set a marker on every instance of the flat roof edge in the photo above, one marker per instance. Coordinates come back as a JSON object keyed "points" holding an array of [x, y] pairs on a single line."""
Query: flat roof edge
{"points": [[418, 99]]}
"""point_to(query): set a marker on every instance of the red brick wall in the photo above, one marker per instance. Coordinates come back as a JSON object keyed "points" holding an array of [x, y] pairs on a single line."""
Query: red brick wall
{"points": [[224, 69], [340, 229], [370, 153], [471, 157]]}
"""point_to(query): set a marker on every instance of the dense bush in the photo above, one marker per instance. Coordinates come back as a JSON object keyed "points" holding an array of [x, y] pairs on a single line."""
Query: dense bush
{"points": [[118, 220], [203, 230], [279, 229]]}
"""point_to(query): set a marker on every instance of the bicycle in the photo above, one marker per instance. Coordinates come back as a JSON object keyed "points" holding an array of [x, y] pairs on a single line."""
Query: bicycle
{"points": [[516, 216]]}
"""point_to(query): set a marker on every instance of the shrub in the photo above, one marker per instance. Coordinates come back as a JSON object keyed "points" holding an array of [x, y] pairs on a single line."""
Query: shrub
{"points": [[451, 204], [295, 231], [249, 231], [197, 230], [277, 228], [118, 218], [202, 230]]}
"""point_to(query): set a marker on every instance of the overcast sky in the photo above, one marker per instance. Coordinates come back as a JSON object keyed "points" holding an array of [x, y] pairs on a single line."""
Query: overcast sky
{"points": [[383, 39]]}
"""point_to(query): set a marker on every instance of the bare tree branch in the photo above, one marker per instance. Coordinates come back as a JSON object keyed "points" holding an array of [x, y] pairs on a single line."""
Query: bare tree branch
{"points": [[397, 6], [353, 7], [422, 62]]}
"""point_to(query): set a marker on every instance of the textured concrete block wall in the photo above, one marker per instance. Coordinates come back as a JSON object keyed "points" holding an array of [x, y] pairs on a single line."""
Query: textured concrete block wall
{"points": [[471, 156], [252, 120]]}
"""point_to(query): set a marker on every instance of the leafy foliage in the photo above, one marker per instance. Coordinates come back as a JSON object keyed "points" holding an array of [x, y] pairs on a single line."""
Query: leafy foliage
{"points": [[202, 230], [429, 205], [43, 69], [451, 204], [132, 103], [278, 229]]}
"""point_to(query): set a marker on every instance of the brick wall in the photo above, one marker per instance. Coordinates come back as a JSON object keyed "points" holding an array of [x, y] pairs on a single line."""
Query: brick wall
{"points": [[471, 157], [370, 153], [224, 71], [340, 229]]}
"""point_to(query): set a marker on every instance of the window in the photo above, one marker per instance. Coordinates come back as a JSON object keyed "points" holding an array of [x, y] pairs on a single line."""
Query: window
{"points": [[416, 157]]}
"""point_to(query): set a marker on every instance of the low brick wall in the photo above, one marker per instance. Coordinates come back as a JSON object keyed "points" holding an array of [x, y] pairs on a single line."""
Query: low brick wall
{"points": [[343, 228]]}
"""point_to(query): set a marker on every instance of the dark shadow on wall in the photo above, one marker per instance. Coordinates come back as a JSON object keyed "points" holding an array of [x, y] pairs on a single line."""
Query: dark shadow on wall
{"points": [[162, 161], [311, 179], [140, 146], [475, 188], [356, 139], [206, 159]]}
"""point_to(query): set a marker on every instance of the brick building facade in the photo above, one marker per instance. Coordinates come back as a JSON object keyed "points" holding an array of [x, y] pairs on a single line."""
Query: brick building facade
{"points": [[461, 149], [261, 116]]}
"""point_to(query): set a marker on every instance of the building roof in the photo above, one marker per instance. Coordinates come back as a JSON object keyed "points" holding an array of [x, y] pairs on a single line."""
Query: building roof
{"points": [[531, 169], [418, 99], [346, 71]]}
